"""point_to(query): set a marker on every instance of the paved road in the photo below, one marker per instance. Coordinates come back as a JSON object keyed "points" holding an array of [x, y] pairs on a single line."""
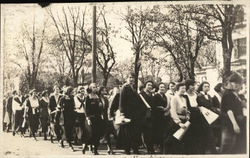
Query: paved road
{"points": [[26, 146]]}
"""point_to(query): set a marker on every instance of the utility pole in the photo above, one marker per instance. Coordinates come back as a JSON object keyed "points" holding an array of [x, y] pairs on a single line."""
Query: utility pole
{"points": [[94, 46]]}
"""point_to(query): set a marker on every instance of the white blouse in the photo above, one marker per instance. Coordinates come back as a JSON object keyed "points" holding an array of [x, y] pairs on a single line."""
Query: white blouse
{"points": [[34, 103], [177, 106], [192, 99], [78, 107]]}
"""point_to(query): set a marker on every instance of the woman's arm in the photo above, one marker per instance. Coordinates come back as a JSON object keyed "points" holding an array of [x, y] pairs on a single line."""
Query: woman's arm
{"points": [[173, 110], [233, 121]]}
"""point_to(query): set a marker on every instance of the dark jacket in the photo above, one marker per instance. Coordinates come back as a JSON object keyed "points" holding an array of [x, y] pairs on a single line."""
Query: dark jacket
{"points": [[130, 103], [114, 105], [207, 103], [53, 103]]}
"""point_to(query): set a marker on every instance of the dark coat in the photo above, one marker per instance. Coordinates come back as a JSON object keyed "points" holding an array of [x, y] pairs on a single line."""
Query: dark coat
{"points": [[114, 105], [130, 103], [53, 103]]}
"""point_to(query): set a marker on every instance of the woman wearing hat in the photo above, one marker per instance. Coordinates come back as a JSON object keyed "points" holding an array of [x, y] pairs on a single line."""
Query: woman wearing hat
{"points": [[233, 138], [32, 103]]}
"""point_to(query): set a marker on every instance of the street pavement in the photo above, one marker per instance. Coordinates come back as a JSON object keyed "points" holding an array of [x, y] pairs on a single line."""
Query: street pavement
{"points": [[28, 147]]}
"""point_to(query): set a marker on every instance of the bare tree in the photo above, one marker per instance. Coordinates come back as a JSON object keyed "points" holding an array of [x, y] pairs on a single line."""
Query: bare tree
{"points": [[73, 37], [136, 20], [105, 53], [31, 47]]}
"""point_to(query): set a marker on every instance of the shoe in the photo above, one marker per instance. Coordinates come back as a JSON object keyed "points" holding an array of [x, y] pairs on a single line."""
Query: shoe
{"points": [[13, 133], [51, 139], [110, 152], [136, 152], [96, 153], [83, 151], [127, 152], [72, 148], [61, 144]]}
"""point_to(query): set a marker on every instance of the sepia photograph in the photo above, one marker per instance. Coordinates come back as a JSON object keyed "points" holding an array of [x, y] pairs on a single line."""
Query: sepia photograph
{"points": [[127, 79]]}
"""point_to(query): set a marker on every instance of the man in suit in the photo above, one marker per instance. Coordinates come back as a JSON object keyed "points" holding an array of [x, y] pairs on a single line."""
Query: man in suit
{"points": [[132, 107]]}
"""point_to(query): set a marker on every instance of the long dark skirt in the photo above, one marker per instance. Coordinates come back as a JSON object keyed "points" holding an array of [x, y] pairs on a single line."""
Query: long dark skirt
{"points": [[69, 121], [97, 130], [129, 135], [85, 133], [196, 137], [17, 120], [160, 125], [44, 123], [34, 122]]}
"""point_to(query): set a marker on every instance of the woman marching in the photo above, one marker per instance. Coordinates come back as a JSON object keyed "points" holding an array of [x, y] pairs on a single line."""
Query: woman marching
{"points": [[44, 113], [196, 119], [161, 116], [55, 129], [109, 129], [233, 138], [180, 115], [205, 100], [32, 104], [94, 117], [67, 106], [81, 129]]}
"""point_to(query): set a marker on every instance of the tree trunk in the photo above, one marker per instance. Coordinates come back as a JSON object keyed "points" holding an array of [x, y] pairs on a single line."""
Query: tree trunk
{"points": [[105, 81], [137, 68], [227, 54]]}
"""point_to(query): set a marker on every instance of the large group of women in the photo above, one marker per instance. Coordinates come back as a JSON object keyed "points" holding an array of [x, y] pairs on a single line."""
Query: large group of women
{"points": [[86, 115]]}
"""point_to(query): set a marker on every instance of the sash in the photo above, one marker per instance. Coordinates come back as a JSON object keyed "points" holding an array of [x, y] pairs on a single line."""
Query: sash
{"points": [[145, 102]]}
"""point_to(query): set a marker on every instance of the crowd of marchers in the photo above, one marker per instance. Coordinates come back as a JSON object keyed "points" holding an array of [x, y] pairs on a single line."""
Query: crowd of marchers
{"points": [[130, 119]]}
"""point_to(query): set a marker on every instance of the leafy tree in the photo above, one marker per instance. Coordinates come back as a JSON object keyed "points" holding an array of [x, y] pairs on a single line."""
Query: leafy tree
{"points": [[179, 36], [218, 23]]}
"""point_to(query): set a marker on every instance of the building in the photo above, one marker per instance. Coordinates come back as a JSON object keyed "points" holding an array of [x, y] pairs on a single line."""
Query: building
{"points": [[212, 73]]}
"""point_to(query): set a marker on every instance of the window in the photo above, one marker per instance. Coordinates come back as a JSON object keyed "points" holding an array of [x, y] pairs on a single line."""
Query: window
{"points": [[239, 47]]}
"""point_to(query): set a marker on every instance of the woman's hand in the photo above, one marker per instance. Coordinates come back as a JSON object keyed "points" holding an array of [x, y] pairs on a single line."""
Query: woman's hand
{"points": [[89, 122], [182, 125]]}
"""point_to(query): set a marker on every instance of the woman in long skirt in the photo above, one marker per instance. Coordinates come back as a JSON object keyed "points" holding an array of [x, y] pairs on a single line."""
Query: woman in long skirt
{"points": [[205, 100], [179, 116], [81, 130], [94, 117], [109, 128], [233, 138], [67, 106], [33, 112], [160, 116], [44, 113], [196, 129], [55, 128]]}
